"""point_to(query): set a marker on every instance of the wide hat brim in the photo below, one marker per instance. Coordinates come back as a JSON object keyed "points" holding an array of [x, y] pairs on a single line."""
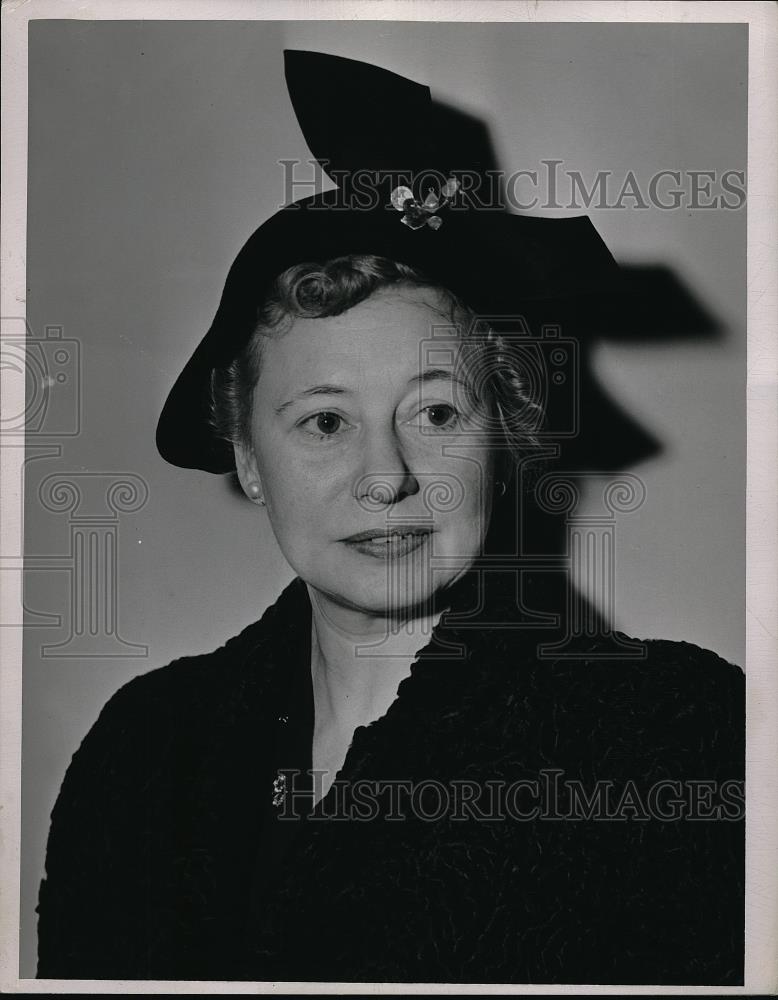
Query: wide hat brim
{"points": [[546, 270]]}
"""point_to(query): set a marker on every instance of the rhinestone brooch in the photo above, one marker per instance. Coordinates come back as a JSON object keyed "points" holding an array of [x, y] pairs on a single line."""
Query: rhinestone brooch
{"points": [[418, 214], [279, 789]]}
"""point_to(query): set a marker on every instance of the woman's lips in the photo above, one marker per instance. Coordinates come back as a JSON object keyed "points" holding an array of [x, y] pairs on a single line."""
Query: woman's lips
{"points": [[382, 544]]}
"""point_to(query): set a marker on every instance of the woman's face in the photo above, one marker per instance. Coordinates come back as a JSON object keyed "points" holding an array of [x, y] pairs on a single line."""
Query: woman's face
{"points": [[371, 457]]}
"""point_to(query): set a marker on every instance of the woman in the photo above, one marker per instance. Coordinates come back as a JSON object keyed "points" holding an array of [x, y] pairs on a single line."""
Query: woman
{"points": [[391, 776]]}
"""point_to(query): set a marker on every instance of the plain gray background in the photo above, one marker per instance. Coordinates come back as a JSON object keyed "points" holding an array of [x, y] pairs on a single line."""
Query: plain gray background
{"points": [[153, 154]]}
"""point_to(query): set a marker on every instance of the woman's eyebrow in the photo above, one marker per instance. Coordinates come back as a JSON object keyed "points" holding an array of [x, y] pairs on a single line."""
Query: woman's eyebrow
{"points": [[438, 374], [428, 375], [314, 390]]}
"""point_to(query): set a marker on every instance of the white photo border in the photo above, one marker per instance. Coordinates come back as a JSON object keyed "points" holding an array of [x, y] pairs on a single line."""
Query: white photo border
{"points": [[761, 959]]}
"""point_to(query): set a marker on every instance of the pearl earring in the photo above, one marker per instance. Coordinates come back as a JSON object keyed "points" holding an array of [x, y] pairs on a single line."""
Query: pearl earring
{"points": [[256, 495]]}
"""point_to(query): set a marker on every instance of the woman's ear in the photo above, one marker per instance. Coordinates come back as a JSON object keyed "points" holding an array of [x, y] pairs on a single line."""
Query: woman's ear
{"points": [[248, 472]]}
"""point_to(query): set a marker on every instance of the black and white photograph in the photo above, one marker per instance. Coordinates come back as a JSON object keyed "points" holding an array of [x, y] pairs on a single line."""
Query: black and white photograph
{"points": [[392, 592]]}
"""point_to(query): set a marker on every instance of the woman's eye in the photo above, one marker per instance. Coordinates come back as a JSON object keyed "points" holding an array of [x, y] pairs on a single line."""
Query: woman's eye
{"points": [[441, 415], [323, 424]]}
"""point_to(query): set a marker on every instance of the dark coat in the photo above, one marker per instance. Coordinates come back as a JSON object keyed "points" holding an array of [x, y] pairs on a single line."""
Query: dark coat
{"points": [[157, 836]]}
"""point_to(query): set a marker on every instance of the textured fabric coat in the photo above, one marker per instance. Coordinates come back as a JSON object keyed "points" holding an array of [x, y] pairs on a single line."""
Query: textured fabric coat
{"points": [[159, 863]]}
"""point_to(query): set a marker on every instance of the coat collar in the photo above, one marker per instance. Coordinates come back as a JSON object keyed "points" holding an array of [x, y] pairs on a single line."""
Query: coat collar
{"points": [[465, 662]]}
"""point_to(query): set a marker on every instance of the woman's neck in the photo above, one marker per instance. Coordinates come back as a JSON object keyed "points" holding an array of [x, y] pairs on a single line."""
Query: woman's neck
{"points": [[358, 660], [357, 664]]}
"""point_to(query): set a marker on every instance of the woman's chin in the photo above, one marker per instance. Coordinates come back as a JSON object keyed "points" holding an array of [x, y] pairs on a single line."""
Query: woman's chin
{"points": [[394, 599], [380, 604], [376, 599], [389, 588]]}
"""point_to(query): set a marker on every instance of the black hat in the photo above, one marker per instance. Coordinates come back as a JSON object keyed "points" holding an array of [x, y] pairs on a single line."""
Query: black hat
{"points": [[403, 181]]}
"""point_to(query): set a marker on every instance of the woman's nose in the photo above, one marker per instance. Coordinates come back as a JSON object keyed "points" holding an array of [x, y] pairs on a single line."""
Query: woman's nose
{"points": [[385, 477]]}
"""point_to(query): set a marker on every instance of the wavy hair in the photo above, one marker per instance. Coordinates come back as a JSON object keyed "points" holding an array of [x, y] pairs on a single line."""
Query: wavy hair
{"points": [[495, 371]]}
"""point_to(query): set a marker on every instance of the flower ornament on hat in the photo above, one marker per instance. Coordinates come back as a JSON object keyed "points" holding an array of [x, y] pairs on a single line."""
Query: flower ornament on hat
{"points": [[421, 214]]}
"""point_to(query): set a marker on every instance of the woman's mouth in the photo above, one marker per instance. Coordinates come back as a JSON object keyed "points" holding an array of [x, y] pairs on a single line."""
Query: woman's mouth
{"points": [[383, 544]]}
